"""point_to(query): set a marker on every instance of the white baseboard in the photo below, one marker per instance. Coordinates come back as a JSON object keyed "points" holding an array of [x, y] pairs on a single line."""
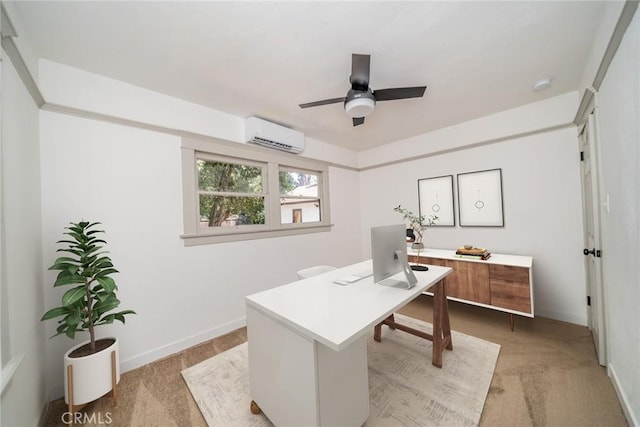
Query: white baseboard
{"points": [[131, 363], [177, 346], [562, 316], [632, 418]]}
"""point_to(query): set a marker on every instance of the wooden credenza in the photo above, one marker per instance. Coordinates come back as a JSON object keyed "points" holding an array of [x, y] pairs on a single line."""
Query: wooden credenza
{"points": [[503, 282]]}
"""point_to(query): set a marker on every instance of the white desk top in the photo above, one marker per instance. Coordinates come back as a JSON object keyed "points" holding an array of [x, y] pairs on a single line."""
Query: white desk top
{"points": [[499, 259], [337, 315]]}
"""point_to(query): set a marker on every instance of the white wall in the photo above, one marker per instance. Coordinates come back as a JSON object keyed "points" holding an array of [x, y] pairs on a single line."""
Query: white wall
{"points": [[122, 160], [130, 180], [68, 88], [24, 398], [542, 206], [619, 135], [548, 114]]}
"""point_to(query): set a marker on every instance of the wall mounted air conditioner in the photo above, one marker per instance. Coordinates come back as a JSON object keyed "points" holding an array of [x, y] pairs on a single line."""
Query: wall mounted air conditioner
{"points": [[262, 132]]}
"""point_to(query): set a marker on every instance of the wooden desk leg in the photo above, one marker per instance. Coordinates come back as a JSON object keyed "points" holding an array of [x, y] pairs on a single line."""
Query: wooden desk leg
{"points": [[390, 321], [511, 321], [436, 357], [441, 325], [392, 324], [446, 325], [377, 332]]}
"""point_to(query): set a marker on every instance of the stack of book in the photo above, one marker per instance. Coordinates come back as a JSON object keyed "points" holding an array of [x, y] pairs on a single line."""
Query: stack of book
{"points": [[473, 253]]}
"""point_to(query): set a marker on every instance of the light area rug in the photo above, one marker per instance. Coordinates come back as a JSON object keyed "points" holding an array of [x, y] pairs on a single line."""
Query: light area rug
{"points": [[405, 389]]}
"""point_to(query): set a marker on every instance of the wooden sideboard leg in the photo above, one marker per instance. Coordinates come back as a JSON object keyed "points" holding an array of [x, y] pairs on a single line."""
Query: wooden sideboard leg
{"points": [[511, 321]]}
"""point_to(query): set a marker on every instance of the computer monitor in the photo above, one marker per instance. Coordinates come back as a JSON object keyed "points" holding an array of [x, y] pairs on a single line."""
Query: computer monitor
{"points": [[389, 253]]}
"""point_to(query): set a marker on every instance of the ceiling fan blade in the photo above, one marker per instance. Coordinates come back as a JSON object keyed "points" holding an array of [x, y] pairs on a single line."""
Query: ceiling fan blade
{"points": [[358, 121], [323, 102], [399, 93], [360, 65]]}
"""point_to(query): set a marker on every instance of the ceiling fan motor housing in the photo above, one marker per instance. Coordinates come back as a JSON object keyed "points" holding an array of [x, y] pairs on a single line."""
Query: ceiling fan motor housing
{"points": [[359, 103]]}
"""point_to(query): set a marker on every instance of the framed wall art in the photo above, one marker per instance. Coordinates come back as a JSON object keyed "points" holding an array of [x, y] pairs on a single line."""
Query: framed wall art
{"points": [[480, 199], [435, 197]]}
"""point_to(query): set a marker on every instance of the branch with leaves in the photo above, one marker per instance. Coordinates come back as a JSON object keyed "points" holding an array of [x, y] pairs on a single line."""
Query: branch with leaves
{"points": [[416, 222]]}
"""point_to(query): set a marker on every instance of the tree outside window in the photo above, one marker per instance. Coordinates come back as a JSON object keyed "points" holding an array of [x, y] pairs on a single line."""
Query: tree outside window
{"points": [[231, 194]]}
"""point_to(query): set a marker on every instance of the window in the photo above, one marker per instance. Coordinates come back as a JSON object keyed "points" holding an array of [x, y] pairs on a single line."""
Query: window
{"points": [[299, 200], [230, 193], [235, 191]]}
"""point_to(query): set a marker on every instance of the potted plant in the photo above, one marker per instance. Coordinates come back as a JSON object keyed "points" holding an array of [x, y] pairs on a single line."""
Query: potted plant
{"points": [[91, 368], [416, 225]]}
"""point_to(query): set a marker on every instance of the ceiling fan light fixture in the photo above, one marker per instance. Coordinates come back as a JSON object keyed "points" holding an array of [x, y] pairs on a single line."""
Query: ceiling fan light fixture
{"points": [[359, 107], [361, 99]]}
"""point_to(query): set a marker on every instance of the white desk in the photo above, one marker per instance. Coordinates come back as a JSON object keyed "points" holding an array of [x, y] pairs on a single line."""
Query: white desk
{"points": [[308, 345]]}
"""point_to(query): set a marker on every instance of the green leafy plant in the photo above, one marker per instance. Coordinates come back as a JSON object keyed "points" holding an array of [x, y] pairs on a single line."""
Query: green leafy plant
{"points": [[92, 299], [416, 222]]}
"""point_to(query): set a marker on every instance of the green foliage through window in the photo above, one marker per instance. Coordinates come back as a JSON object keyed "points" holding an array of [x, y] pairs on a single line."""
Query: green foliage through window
{"points": [[219, 182]]}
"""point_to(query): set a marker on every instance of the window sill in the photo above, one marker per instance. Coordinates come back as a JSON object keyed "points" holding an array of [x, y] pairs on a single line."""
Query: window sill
{"points": [[206, 239]]}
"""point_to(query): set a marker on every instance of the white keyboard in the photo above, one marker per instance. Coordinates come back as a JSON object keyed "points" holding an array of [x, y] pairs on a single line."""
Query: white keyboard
{"points": [[345, 280]]}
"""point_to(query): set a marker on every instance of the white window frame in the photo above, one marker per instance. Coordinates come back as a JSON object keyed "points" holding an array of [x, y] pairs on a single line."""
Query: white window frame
{"points": [[288, 168], [226, 151], [264, 194]]}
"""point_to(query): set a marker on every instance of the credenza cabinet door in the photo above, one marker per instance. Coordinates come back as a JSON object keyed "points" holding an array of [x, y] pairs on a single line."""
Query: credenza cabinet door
{"points": [[468, 280], [503, 287], [510, 287]]}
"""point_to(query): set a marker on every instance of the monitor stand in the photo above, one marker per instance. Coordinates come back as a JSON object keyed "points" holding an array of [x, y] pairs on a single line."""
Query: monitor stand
{"points": [[408, 272]]}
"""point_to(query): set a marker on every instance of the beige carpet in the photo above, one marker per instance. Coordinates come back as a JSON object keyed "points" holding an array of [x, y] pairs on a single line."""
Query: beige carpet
{"points": [[405, 389], [547, 375]]}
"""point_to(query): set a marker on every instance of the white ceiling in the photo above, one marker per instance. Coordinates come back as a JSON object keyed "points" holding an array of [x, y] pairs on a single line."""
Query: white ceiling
{"points": [[265, 58]]}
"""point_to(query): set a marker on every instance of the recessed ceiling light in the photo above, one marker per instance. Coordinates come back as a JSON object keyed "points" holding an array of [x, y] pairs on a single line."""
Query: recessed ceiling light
{"points": [[541, 84]]}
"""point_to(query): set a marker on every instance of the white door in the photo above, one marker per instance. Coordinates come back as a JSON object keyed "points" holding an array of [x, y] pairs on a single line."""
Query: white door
{"points": [[590, 200]]}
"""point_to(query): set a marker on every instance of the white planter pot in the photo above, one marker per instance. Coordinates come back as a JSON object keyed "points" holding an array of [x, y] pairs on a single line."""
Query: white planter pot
{"points": [[92, 375]]}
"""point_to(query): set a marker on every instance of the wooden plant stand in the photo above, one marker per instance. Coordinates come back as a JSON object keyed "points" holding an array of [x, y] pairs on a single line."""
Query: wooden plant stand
{"points": [[72, 409]]}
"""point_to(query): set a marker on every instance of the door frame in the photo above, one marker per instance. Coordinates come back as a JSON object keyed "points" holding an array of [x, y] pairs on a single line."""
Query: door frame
{"points": [[594, 283]]}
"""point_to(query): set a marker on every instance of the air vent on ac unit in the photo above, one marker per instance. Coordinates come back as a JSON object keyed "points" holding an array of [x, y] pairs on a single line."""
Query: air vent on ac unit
{"points": [[262, 132]]}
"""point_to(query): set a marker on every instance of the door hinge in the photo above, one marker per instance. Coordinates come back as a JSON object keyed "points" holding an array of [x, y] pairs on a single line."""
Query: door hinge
{"points": [[588, 300], [582, 156]]}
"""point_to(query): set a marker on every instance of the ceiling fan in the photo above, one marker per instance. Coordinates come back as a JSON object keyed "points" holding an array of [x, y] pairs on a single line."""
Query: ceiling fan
{"points": [[361, 99]]}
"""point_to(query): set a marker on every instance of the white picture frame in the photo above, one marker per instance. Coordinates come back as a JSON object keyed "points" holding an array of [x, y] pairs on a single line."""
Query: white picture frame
{"points": [[480, 199], [435, 197]]}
